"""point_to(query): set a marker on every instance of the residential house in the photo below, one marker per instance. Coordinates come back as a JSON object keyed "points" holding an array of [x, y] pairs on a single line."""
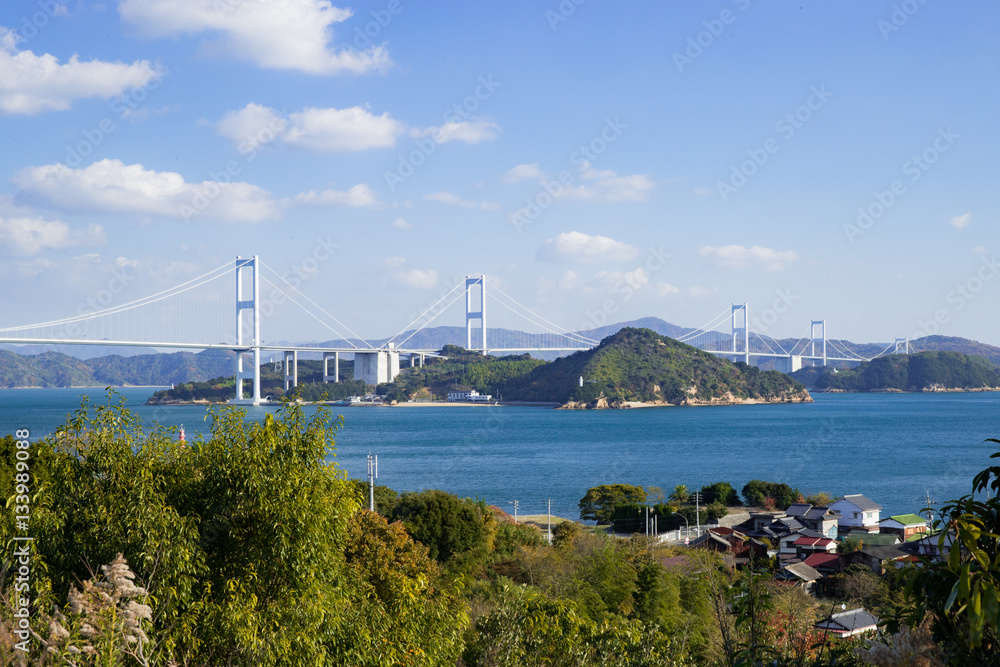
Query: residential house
{"points": [[857, 513], [824, 563], [848, 623], [880, 558], [801, 574], [786, 542], [806, 546], [821, 519], [907, 526]]}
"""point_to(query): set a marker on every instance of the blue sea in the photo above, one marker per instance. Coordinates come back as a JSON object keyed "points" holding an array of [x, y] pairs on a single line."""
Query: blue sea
{"points": [[893, 448]]}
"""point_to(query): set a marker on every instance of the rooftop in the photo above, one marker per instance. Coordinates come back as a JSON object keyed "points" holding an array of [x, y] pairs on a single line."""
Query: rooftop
{"points": [[862, 503], [852, 620], [908, 519]]}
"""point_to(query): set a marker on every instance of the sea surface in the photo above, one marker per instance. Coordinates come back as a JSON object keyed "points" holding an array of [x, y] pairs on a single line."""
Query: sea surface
{"points": [[893, 448]]}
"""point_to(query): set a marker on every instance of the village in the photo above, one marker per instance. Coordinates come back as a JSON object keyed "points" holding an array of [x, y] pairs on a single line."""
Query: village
{"points": [[810, 543]]}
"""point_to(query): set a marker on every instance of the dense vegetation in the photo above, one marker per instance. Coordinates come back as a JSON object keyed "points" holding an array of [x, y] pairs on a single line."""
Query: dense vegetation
{"points": [[272, 383], [640, 365], [924, 371], [458, 368], [251, 548]]}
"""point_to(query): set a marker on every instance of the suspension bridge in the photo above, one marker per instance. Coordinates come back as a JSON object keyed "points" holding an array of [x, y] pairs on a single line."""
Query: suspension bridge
{"points": [[200, 314]]}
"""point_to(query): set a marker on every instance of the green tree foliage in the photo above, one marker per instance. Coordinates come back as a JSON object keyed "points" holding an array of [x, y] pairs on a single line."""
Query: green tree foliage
{"points": [[757, 493], [914, 372], [385, 498], [720, 492], [680, 494], [460, 368], [599, 502], [960, 593], [240, 539], [441, 521]]}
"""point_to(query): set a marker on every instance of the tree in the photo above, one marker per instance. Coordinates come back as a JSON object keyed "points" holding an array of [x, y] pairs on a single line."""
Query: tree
{"points": [[599, 502], [960, 593], [442, 522], [771, 495], [721, 492], [680, 494]]}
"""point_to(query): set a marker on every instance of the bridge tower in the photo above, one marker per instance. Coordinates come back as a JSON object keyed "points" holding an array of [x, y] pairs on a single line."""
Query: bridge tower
{"points": [[251, 305], [822, 338], [744, 329], [470, 315], [902, 345]]}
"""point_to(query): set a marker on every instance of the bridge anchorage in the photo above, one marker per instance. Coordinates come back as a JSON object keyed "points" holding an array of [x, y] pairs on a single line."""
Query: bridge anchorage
{"points": [[197, 315]]}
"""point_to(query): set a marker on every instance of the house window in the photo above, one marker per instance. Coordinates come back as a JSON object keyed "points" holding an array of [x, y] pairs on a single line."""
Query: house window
{"points": [[855, 515]]}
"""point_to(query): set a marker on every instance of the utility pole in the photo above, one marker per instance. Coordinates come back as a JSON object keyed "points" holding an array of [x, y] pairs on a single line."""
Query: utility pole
{"points": [[697, 512], [372, 476], [647, 520], [514, 503], [930, 514], [550, 520]]}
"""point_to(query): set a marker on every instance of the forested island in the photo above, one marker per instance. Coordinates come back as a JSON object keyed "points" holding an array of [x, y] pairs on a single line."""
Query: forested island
{"points": [[921, 372]]}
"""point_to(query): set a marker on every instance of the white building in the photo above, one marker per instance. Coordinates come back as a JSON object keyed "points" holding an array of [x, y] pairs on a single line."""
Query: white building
{"points": [[857, 512], [471, 396]]}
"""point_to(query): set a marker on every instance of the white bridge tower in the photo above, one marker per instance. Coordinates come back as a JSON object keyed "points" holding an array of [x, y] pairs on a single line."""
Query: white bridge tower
{"points": [[251, 305], [470, 315], [743, 328]]}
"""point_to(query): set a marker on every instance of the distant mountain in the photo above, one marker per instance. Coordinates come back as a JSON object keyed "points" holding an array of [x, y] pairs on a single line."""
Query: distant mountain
{"points": [[924, 371], [53, 369], [641, 365], [79, 351]]}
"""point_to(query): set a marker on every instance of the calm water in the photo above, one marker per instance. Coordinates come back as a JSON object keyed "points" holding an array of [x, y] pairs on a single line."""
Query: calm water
{"points": [[890, 447]]}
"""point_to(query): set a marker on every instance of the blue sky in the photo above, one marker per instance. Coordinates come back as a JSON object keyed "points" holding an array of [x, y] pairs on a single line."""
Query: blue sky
{"points": [[699, 154]]}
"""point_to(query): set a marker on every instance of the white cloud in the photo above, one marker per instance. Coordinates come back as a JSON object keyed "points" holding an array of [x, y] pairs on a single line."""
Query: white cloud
{"points": [[579, 248], [32, 83], [359, 195], [342, 130], [980, 250], [394, 262], [327, 130], [276, 34], [961, 221], [738, 257], [401, 223], [471, 131], [666, 289], [607, 185], [703, 191], [524, 172], [110, 186], [27, 236], [251, 126], [417, 278], [454, 200]]}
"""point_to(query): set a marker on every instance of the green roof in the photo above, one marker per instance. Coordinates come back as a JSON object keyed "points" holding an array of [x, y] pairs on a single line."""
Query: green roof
{"points": [[872, 539], [909, 519]]}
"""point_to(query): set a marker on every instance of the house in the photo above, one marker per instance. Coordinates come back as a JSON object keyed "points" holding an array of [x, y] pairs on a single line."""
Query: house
{"points": [[786, 543], [821, 519], [857, 513], [848, 623], [736, 548], [471, 396], [800, 573], [880, 558], [805, 546], [907, 526], [824, 563]]}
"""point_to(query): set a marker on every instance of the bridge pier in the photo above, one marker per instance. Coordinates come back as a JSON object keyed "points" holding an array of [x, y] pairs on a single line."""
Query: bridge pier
{"points": [[336, 367], [291, 369], [241, 305], [789, 364]]}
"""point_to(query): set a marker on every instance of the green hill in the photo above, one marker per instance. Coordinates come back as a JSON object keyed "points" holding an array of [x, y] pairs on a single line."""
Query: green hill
{"points": [[641, 365], [924, 371]]}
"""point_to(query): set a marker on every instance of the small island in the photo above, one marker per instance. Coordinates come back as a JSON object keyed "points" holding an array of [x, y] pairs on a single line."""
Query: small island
{"points": [[920, 372]]}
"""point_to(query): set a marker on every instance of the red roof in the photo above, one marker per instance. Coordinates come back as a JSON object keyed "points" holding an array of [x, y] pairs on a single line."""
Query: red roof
{"points": [[822, 560], [813, 542]]}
